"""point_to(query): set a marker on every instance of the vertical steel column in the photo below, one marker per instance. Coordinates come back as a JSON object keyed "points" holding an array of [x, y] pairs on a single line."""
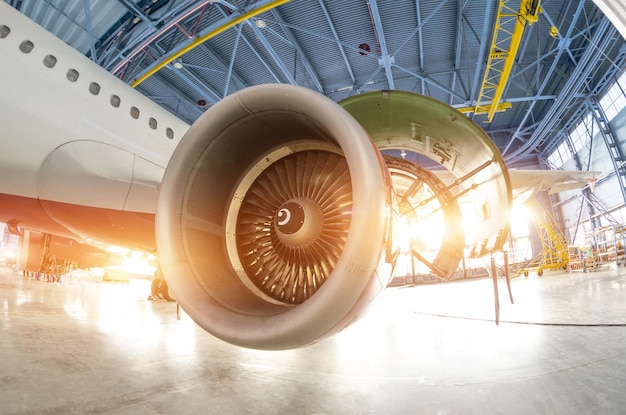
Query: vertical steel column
{"points": [[615, 151]]}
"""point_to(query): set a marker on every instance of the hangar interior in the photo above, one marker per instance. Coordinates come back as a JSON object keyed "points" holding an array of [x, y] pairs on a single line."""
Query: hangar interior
{"points": [[545, 81]]}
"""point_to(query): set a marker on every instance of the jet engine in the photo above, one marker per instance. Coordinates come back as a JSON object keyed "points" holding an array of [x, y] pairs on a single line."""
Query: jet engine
{"points": [[275, 217], [273, 221]]}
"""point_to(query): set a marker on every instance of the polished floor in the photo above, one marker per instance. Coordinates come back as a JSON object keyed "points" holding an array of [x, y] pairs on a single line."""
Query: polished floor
{"points": [[83, 346]]}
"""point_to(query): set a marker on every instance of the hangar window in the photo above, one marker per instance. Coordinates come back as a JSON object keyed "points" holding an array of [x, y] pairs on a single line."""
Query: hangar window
{"points": [[94, 88], [134, 112], [115, 101], [72, 75], [49, 61], [559, 156], [26, 46], [169, 133], [4, 31], [583, 132], [153, 123], [614, 100]]}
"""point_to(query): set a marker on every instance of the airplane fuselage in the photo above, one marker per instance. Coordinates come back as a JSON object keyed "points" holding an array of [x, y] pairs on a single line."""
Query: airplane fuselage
{"points": [[81, 153]]}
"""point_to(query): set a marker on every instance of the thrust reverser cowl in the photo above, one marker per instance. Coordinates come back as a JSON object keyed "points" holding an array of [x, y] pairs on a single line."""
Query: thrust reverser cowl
{"points": [[405, 120]]}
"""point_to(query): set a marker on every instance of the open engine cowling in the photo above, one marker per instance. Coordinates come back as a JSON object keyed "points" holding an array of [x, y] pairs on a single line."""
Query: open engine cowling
{"points": [[273, 219], [420, 124]]}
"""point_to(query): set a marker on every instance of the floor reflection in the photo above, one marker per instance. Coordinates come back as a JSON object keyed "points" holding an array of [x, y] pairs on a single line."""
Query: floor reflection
{"points": [[86, 346]]}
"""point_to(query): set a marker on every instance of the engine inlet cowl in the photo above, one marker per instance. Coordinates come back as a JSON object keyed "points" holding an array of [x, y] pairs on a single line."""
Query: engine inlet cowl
{"points": [[273, 216]]}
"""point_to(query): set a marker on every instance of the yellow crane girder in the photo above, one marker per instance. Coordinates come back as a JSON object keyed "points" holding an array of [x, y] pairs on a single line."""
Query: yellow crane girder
{"points": [[507, 35], [200, 40]]}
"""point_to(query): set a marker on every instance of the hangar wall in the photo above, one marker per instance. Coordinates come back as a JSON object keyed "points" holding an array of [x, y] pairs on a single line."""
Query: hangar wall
{"points": [[606, 191]]}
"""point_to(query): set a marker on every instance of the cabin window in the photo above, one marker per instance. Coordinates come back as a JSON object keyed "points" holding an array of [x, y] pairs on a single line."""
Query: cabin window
{"points": [[115, 101], [94, 88], [134, 112], [169, 133], [26, 46], [153, 123], [49, 61], [4, 31], [72, 75]]}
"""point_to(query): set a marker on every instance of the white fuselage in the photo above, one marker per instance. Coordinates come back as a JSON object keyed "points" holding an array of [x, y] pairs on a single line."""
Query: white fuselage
{"points": [[78, 147], [64, 139]]}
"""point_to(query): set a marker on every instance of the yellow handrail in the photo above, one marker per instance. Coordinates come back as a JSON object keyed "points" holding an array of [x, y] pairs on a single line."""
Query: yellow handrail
{"points": [[198, 41]]}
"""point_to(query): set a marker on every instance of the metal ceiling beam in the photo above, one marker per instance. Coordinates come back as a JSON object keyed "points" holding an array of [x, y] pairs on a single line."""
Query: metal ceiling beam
{"points": [[420, 38], [271, 70], [609, 77], [132, 7], [296, 45], [270, 49], [90, 34], [339, 45], [234, 20], [563, 44], [230, 74], [418, 31], [429, 81], [226, 67], [253, 49], [458, 45], [385, 60], [201, 87], [483, 49], [150, 34], [420, 41], [602, 40]]}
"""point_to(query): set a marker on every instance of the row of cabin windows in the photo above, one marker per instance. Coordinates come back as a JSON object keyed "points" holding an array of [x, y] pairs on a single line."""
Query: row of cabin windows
{"points": [[50, 61]]}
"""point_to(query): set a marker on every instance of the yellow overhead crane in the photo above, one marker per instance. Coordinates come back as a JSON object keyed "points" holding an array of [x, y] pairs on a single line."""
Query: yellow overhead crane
{"points": [[507, 35]]}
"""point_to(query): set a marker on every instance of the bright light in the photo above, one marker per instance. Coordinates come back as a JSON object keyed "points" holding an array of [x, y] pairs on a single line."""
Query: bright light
{"points": [[138, 266], [117, 250], [10, 254], [133, 262], [403, 234], [427, 232], [519, 220], [470, 222]]}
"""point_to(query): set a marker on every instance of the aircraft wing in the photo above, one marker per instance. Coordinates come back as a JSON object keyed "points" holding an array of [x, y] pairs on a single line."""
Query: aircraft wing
{"points": [[526, 183], [553, 181]]}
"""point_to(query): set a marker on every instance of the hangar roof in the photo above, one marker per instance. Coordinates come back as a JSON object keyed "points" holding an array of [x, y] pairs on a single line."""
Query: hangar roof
{"points": [[567, 57]]}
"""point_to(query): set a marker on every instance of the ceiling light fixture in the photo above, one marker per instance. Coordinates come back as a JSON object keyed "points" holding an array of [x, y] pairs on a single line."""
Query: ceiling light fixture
{"points": [[260, 23]]}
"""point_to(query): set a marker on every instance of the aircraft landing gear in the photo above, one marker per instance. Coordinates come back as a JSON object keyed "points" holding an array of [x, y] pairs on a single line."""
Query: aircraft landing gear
{"points": [[160, 291]]}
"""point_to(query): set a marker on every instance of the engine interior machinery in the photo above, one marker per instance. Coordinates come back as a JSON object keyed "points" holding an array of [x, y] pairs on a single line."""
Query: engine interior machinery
{"points": [[275, 221]]}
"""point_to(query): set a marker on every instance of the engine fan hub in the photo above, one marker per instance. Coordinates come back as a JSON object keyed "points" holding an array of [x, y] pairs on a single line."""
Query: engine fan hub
{"points": [[298, 222]]}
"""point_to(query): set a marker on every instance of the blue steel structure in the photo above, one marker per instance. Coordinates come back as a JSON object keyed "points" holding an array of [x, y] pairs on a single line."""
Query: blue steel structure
{"points": [[437, 48]]}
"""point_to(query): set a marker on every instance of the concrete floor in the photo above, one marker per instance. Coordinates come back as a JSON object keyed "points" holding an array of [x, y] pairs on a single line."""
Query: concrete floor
{"points": [[84, 346]]}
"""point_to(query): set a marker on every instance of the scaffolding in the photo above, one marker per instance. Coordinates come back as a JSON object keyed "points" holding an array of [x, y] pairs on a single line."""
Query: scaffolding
{"points": [[554, 250], [607, 240]]}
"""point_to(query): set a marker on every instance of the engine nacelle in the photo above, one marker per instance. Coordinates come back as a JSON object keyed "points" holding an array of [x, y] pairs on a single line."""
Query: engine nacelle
{"points": [[274, 218]]}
